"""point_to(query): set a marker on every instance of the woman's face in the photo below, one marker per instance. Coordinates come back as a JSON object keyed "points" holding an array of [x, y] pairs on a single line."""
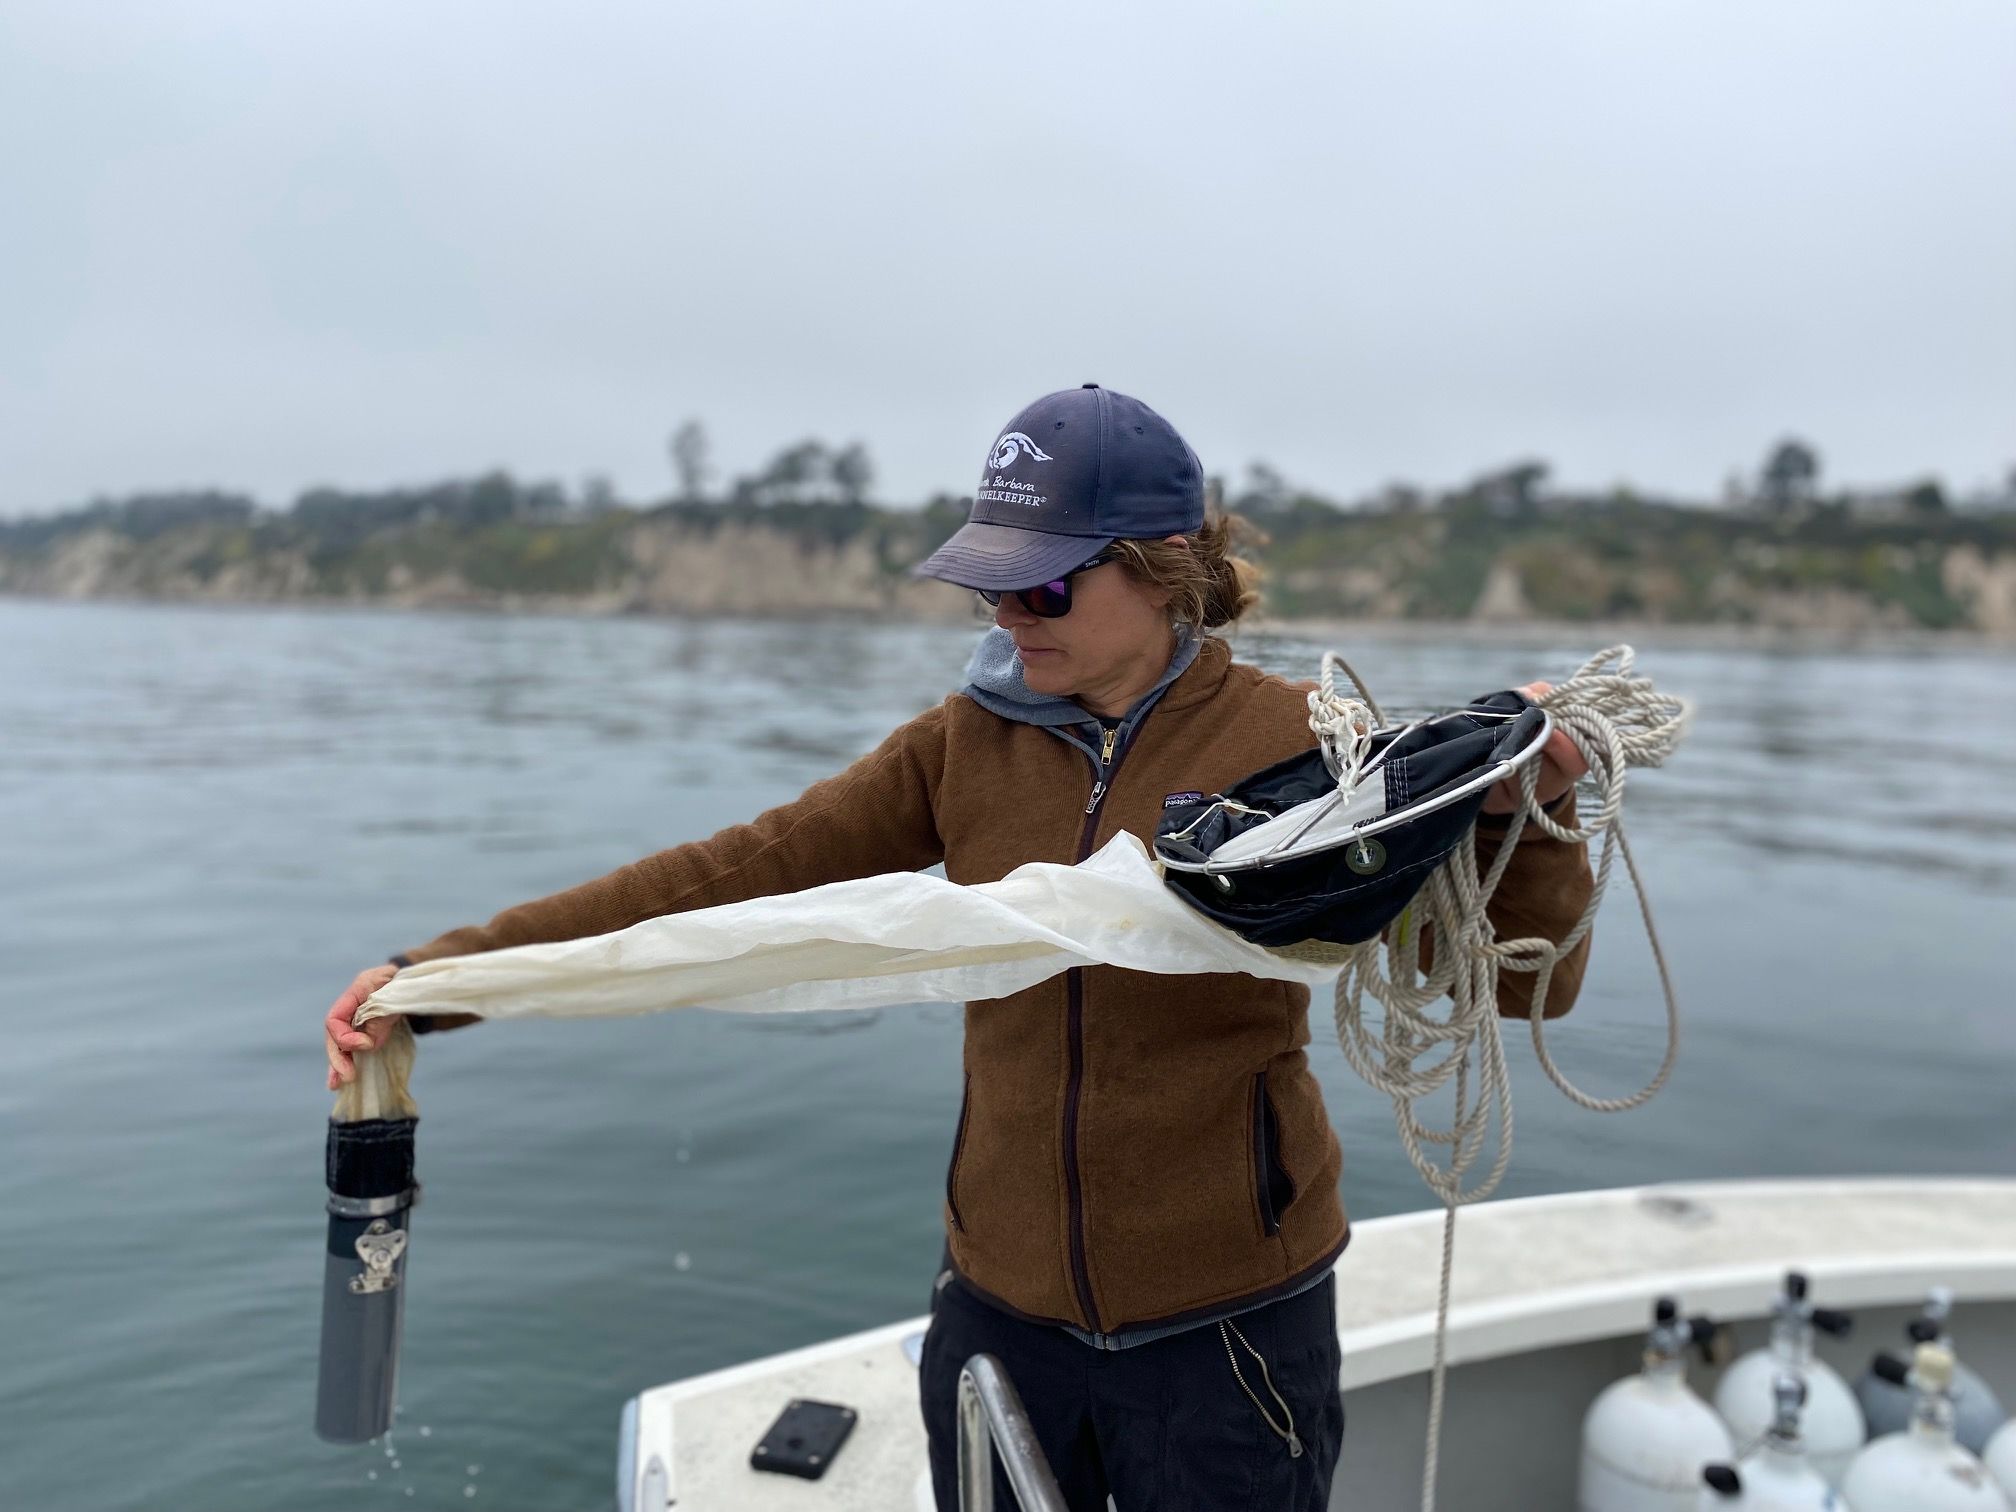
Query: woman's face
{"points": [[1116, 636]]}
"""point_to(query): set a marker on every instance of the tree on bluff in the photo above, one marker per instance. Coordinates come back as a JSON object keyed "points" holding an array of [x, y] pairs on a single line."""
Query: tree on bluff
{"points": [[1926, 500], [853, 472], [140, 517], [1791, 477], [689, 461], [808, 472], [1514, 491], [340, 519]]}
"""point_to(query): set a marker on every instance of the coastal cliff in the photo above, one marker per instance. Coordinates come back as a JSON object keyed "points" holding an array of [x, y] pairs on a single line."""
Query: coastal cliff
{"points": [[1588, 561]]}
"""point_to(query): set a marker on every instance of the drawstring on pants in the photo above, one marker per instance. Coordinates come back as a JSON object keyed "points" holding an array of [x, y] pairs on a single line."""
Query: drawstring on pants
{"points": [[1288, 1433]]}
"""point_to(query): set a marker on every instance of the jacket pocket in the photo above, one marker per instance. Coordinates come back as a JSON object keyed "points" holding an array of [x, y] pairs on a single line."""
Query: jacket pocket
{"points": [[1271, 1182], [958, 1144]]}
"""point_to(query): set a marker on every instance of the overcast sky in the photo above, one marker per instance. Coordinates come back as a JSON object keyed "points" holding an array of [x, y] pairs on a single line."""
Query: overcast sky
{"points": [[265, 246]]}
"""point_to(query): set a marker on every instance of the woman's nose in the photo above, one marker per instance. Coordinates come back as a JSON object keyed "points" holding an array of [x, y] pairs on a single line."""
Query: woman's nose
{"points": [[1009, 613]]}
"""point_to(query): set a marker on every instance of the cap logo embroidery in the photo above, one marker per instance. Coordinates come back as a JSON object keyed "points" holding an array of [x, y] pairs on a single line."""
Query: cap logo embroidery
{"points": [[1006, 448]]}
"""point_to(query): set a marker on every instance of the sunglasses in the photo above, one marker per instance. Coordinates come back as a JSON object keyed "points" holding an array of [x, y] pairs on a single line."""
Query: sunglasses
{"points": [[1051, 600]]}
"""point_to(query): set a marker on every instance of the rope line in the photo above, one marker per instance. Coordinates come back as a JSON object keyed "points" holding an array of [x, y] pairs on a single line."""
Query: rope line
{"points": [[1617, 720], [1343, 725]]}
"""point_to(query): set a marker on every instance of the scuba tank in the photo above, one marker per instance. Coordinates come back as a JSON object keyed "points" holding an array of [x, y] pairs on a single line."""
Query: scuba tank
{"points": [[1774, 1477], [1887, 1408], [1646, 1437], [1831, 1422], [1922, 1469], [2000, 1460]]}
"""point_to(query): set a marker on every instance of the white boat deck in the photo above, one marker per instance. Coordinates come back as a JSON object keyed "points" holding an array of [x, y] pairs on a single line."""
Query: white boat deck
{"points": [[1531, 1274]]}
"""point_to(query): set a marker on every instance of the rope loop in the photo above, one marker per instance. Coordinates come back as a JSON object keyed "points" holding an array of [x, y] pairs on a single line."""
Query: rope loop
{"points": [[1343, 725]]}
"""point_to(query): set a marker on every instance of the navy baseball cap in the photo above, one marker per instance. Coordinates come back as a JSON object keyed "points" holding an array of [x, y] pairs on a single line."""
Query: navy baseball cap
{"points": [[1069, 475]]}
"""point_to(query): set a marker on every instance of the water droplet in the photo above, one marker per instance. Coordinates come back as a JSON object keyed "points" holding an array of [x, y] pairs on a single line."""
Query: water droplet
{"points": [[389, 1451], [370, 1475], [425, 1431], [475, 1469], [682, 1156], [468, 1490], [395, 1464], [682, 1261], [409, 1490]]}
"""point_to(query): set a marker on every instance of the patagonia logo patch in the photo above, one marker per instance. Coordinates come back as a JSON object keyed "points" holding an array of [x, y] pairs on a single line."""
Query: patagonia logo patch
{"points": [[1175, 800]]}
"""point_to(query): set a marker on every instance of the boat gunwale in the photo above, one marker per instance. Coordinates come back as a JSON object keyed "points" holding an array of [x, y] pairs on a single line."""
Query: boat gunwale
{"points": [[1977, 1276], [1549, 1315]]}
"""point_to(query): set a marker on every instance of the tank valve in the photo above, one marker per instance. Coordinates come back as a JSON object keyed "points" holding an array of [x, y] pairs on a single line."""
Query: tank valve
{"points": [[1712, 1340], [1886, 1366], [1723, 1480], [1833, 1322], [1788, 1397]]}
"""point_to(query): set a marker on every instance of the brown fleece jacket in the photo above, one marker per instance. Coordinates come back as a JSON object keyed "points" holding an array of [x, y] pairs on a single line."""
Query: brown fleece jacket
{"points": [[1132, 1149]]}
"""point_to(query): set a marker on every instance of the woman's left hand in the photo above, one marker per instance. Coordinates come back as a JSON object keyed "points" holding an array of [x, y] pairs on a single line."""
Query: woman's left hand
{"points": [[1560, 765]]}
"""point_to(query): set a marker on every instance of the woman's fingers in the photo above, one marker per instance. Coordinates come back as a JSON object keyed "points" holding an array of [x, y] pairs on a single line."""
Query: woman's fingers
{"points": [[336, 1032], [1561, 762], [1565, 756], [341, 1035], [1503, 797], [371, 1035], [343, 1031]]}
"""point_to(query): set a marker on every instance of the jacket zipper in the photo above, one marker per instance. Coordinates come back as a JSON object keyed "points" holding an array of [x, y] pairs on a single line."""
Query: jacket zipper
{"points": [[1075, 986], [1098, 791]]}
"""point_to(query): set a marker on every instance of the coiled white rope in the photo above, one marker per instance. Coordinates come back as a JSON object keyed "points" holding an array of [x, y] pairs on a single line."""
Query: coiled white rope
{"points": [[1617, 720]]}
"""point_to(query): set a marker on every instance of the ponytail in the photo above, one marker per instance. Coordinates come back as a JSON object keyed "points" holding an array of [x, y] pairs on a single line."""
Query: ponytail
{"points": [[1209, 586]]}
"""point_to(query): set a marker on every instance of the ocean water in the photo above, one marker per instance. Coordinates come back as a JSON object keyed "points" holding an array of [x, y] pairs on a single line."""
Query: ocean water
{"points": [[212, 818]]}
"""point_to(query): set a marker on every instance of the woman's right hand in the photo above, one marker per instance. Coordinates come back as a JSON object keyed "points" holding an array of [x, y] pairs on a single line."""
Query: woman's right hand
{"points": [[341, 1036]]}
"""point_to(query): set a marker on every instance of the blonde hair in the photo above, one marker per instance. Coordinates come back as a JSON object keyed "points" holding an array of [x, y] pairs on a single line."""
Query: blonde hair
{"points": [[1208, 586]]}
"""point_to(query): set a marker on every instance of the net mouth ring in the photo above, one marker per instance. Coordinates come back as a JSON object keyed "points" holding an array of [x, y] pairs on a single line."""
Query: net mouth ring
{"points": [[1183, 858]]}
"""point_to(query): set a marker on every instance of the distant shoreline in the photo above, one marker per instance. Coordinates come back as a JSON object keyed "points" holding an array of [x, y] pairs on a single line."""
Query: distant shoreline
{"points": [[1530, 632], [1686, 634], [1471, 565]]}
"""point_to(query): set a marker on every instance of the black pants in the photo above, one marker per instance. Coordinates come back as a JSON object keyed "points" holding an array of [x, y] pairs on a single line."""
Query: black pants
{"points": [[1163, 1426]]}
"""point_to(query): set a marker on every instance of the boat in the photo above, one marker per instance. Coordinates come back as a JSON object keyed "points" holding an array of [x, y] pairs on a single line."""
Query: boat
{"points": [[1550, 1301]]}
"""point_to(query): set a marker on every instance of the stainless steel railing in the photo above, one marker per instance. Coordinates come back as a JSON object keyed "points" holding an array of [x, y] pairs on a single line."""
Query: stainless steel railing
{"points": [[991, 1418]]}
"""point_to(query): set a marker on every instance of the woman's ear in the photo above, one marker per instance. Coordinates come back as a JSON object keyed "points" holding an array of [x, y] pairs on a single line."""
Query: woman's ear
{"points": [[1157, 597]]}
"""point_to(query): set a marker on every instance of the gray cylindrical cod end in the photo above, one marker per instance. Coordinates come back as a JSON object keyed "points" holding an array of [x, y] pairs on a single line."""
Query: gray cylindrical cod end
{"points": [[372, 1191], [361, 1320]]}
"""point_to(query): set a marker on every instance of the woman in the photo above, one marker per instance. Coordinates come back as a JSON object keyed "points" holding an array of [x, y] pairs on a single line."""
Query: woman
{"points": [[1141, 1205]]}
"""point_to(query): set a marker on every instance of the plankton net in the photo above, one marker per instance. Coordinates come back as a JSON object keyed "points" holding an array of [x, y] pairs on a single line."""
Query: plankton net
{"points": [[1340, 862]]}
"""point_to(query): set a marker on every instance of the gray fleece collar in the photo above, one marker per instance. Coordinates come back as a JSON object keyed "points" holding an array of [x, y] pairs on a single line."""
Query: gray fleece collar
{"points": [[994, 681]]}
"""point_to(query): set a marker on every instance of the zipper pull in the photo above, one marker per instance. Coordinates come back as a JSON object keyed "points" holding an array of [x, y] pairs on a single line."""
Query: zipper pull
{"points": [[1098, 792], [1106, 747]]}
